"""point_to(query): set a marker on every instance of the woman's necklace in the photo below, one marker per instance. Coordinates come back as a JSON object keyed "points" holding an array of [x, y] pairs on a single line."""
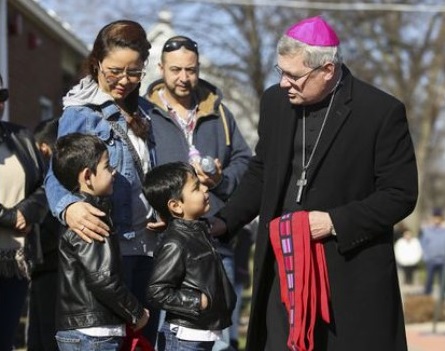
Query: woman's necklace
{"points": [[302, 181]]}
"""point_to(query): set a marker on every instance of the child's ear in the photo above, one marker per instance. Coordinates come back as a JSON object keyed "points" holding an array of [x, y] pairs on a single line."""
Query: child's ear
{"points": [[175, 207], [85, 177]]}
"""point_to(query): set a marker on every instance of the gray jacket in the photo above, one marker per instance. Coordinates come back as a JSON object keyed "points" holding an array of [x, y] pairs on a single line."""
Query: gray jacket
{"points": [[216, 134]]}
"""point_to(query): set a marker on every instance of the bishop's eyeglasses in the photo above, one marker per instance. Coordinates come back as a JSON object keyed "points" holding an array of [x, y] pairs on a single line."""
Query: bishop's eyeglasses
{"points": [[291, 78]]}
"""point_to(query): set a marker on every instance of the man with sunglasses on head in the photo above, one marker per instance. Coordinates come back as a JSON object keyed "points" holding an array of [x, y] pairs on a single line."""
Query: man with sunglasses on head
{"points": [[22, 207], [334, 170], [190, 122]]}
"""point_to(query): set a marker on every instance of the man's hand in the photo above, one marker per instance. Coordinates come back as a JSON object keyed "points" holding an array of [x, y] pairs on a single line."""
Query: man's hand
{"points": [[142, 321], [320, 224], [209, 180], [83, 219]]}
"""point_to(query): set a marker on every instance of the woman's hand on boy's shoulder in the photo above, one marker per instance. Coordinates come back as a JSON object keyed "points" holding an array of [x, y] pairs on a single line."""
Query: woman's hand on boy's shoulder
{"points": [[157, 226], [84, 219]]}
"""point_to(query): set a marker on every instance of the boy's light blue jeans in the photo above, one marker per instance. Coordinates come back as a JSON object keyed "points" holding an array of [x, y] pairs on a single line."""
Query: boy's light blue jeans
{"points": [[167, 341], [73, 340]]}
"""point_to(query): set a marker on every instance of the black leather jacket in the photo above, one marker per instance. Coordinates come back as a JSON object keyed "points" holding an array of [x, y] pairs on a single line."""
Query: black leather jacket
{"points": [[34, 205], [186, 265], [91, 288]]}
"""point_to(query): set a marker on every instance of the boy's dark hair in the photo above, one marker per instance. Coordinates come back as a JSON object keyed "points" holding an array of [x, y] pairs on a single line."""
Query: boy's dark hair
{"points": [[73, 153], [46, 132], [165, 183]]}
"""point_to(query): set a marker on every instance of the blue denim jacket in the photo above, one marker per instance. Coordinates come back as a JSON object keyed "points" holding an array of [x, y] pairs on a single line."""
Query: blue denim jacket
{"points": [[127, 199]]}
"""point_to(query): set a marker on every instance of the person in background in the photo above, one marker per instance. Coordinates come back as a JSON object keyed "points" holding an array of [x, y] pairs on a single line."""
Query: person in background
{"points": [[94, 317], [191, 122], [432, 239], [188, 280], [22, 207], [334, 170], [42, 293], [399, 229], [408, 252], [106, 103]]}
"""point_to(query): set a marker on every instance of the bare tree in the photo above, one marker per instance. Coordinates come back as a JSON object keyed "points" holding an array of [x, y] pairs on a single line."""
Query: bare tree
{"points": [[87, 17], [241, 40], [403, 53], [400, 52]]}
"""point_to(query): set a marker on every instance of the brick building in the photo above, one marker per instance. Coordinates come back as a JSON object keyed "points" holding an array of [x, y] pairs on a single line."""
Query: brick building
{"points": [[40, 59]]}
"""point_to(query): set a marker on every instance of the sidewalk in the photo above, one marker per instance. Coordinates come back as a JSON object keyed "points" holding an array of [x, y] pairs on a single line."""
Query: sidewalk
{"points": [[420, 337]]}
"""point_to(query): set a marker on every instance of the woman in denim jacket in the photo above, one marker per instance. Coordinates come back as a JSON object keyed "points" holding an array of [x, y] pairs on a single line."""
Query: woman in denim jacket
{"points": [[106, 103]]}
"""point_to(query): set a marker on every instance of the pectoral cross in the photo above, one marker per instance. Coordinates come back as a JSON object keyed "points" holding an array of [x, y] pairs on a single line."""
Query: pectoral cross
{"points": [[301, 184]]}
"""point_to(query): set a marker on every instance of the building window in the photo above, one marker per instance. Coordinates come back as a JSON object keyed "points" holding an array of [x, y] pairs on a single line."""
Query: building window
{"points": [[46, 108]]}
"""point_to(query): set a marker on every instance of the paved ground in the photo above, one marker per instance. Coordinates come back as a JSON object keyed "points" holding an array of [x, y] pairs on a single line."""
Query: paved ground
{"points": [[424, 336], [421, 337]]}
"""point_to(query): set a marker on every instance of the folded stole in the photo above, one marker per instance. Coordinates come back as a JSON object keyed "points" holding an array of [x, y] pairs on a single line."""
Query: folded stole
{"points": [[303, 275]]}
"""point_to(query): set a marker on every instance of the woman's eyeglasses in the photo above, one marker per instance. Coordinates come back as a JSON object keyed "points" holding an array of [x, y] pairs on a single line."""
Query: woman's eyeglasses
{"points": [[4, 95], [176, 44], [114, 75]]}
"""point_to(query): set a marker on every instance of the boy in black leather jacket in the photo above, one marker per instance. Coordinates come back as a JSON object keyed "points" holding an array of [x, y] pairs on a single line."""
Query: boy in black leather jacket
{"points": [[93, 304], [188, 279]]}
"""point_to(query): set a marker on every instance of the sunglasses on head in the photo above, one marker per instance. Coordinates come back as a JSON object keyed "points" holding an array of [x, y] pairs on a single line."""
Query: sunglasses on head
{"points": [[4, 95], [176, 44]]}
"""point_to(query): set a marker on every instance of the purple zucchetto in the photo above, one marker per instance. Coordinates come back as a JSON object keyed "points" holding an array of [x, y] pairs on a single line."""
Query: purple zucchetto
{"points": [[313, 31]]}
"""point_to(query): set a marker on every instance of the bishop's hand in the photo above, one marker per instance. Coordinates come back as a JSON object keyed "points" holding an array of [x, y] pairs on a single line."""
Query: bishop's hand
{"points": [[320, 224]]}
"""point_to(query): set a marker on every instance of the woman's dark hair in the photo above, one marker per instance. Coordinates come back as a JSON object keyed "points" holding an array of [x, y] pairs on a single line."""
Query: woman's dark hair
{"points": [[165, 183], [124, 34], [73, 153]]}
